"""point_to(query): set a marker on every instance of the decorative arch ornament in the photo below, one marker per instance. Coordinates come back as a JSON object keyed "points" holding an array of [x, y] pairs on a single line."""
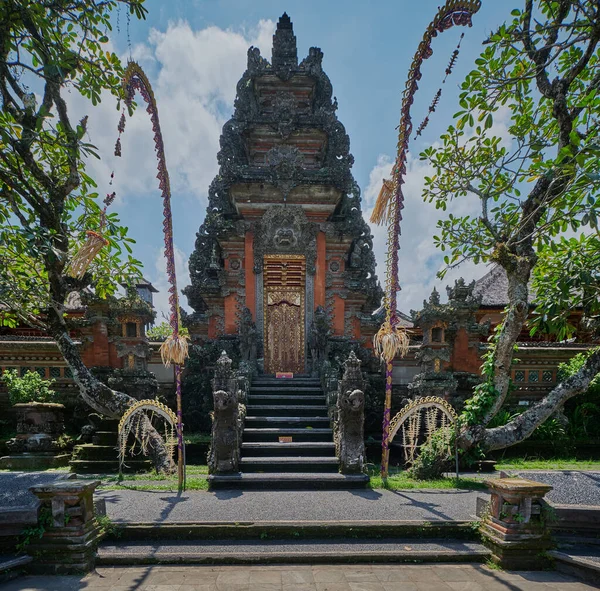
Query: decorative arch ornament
{"points": [[419, 420], [131, 423]]}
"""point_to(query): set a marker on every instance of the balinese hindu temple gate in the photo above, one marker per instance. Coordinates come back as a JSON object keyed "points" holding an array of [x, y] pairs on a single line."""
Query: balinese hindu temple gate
{"points": [[283, 233]]}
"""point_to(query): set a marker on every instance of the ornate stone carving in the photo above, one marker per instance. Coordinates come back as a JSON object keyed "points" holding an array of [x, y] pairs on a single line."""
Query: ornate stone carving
{"points": [[284, 112], [285, 230], [350, 410], [285, 163], [285, 171], [224, 454], [318, 340], [248, 338], [285, 53]]}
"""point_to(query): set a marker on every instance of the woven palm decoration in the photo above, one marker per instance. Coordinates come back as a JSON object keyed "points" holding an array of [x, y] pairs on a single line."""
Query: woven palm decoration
{"points": [[93, 244]]}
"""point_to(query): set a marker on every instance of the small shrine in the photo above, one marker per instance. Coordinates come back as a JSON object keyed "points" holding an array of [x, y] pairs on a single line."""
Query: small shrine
{"points": [[283, 234]]}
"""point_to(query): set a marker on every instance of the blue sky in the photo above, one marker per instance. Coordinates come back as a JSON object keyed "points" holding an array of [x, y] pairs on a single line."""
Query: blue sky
{"points": [[194, 52]]}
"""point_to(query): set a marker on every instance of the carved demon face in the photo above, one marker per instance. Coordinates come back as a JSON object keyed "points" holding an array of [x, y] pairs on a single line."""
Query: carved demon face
{"points": [[354, 400], [223, 400], [285, 238]]}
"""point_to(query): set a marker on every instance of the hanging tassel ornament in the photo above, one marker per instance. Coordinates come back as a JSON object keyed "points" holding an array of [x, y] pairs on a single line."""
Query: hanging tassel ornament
{"points": [[390, 341], [174, 350]]}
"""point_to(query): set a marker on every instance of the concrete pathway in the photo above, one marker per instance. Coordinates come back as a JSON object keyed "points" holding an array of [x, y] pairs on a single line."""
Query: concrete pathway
{"points": [[353, 505], [303, 578]]}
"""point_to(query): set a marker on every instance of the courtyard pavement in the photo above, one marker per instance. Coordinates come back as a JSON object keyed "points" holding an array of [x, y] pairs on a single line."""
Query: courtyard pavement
{"points": [[124, 506], [442, 577]]}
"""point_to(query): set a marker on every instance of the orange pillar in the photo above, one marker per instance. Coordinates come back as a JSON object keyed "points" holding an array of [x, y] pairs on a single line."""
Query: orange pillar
{"points": [[230, 317], [250, 278], [339, 307], [320, 271]]}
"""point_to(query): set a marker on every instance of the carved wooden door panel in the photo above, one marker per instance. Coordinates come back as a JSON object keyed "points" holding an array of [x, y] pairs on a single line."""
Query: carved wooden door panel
{"points": [[284, 278]]}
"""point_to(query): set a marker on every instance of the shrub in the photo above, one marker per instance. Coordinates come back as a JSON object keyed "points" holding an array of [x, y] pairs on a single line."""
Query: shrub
{"points": [[29, 388]]}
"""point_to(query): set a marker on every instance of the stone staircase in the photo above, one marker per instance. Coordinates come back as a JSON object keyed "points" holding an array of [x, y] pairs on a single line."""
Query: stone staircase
{"points": [[292, 408], [350, 542], [102, 455]]}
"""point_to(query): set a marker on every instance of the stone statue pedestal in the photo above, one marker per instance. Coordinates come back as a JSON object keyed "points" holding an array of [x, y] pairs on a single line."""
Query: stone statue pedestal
{"points": [[39, 424], [68, 544], [514, 528]]}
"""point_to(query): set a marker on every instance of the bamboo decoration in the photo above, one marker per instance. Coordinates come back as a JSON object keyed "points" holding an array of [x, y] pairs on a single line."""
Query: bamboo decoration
{"points": [[175, 348], [392, 338]]}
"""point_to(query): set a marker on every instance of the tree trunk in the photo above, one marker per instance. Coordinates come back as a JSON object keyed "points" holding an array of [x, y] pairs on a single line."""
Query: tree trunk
{"points": [[102, 398], [522, 426], [516, 316]]}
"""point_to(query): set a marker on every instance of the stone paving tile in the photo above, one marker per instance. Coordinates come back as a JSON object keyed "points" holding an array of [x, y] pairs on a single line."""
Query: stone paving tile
{"points": [[303, 578], [329, 575], [400, 586], [366, 586], [297, 577], [333, 587]]}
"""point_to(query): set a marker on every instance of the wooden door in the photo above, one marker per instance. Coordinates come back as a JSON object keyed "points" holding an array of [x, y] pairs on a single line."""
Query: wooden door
{"points": [[284, 338]]}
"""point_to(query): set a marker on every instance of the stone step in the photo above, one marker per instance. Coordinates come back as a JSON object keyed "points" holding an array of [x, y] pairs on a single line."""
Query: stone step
{"points": [[105, 438], [283, 422], [89, 451], [297, 530], [279, 464], [304, 448], [285, 399], [108, 467], [341, 550], [106, 424], [272, 434], [581, 561], [296, 410], [12, 566], [276, 389], [288, 481]]}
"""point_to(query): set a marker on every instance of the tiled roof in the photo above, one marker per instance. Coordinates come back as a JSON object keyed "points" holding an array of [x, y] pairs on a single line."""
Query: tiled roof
{"points": [[493, 288]]}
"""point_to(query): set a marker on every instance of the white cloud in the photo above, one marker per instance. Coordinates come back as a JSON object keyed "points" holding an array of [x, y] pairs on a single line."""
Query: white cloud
{"points": [[193, 76], [419, 259]]}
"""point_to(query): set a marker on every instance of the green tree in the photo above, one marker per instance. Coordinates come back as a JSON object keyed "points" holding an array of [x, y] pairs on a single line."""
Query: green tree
{"points": [[533, 189], [47, 201]]}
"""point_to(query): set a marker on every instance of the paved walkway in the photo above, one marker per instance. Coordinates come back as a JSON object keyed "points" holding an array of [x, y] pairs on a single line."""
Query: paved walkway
{"points": [[303, 578], [359, 505]]}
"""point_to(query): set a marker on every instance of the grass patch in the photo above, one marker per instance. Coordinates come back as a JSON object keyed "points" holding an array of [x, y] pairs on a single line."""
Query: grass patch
{"points": [[170, 485], [195, 480], [555, 464], [399, 480], [196, 438]]}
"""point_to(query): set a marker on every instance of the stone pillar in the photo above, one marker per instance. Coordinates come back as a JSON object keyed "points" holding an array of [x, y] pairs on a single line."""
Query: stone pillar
{"points": [[350, 418], [68, 544], [514, 528]]}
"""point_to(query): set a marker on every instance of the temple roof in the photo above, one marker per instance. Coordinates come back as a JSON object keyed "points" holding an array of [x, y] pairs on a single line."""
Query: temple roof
{"points": [[493, 288]]}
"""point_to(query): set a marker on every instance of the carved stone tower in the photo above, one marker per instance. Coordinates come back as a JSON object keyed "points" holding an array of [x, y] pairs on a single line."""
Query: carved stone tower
{"points": [[284, 232]]}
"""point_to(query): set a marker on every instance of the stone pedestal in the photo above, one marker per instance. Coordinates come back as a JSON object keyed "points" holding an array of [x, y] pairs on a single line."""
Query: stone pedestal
{"points": [[514, 528], [68, 544], [39, 424]]}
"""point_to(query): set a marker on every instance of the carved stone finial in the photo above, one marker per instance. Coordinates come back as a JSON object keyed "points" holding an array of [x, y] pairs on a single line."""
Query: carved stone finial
{"points": [[352, 374], [434, 298], [223, 365], [285, 53]]}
